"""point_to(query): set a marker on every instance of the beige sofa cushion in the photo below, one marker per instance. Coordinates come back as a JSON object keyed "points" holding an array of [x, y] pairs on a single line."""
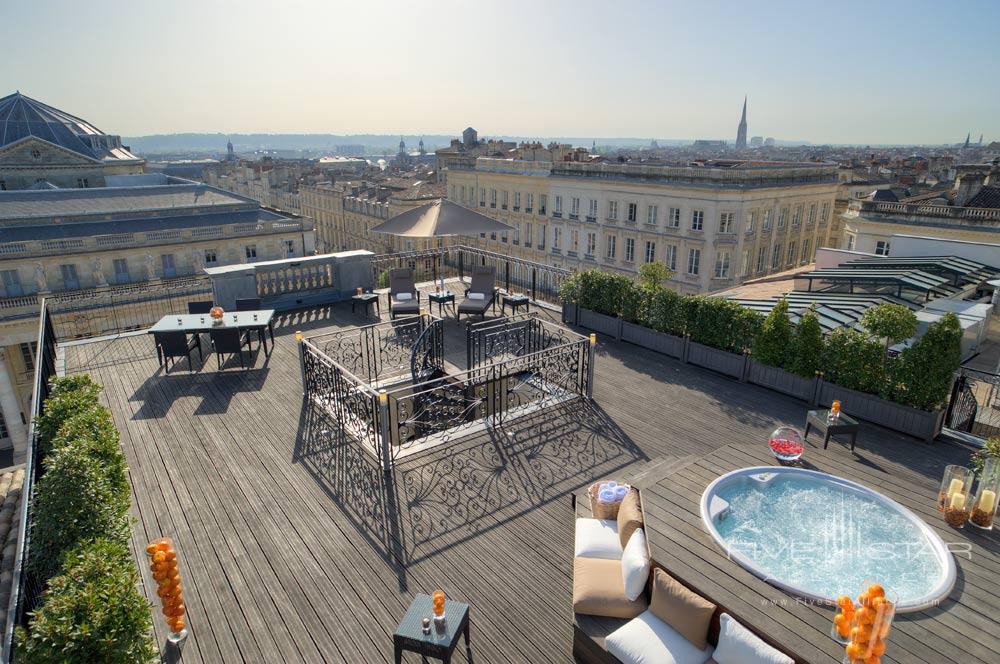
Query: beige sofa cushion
{"points": [[688, 613], [598, 589], [629, 516]]}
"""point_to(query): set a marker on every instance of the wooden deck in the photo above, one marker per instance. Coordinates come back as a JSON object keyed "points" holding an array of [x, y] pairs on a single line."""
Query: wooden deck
{"points": [[293, 548]]}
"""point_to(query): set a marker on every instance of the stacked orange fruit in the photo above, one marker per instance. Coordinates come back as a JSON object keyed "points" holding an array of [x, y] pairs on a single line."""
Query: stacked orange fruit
{"points": [[163, 563], [438, 600], [868, 625]]}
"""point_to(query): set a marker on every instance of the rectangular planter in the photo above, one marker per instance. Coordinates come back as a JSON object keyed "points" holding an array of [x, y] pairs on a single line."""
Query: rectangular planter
{"points": [[782, 381], [660, 342], [730, 364], [600, 323], [569, 313], [919, 423]]}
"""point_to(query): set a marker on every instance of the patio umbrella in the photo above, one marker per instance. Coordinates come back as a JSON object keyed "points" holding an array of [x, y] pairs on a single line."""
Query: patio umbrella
{"points": [[441, 218]]}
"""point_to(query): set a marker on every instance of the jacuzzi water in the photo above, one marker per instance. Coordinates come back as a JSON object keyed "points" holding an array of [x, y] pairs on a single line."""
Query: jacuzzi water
{"points": [[821, 536]]}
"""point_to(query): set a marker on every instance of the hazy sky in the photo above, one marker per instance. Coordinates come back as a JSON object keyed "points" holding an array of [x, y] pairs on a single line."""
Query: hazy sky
{"points": [[861, 72]]}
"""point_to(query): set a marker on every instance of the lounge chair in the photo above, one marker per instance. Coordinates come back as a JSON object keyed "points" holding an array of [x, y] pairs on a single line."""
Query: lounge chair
{"points": [[170, 345], [229, 341], [481, 293], [404, 298]]}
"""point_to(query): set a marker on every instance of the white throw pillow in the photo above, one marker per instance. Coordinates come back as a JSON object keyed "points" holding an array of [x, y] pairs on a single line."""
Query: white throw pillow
{"points": [[648, 640], [403, 297], [738, 645], [635, 565], [598, 538], [477, 296]]}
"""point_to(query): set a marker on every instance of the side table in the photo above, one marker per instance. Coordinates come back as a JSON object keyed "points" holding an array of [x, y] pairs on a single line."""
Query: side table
{"points": [[442, 298], [367, 299], [515, 302], [843, 425], [441, 641]]}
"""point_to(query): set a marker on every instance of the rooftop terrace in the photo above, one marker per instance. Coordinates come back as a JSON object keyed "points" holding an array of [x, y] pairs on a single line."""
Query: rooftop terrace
{"points": [[295, 547]]}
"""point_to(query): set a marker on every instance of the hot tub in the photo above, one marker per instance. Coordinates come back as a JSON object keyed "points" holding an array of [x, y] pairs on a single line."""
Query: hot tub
{"points": [[818, 536]]}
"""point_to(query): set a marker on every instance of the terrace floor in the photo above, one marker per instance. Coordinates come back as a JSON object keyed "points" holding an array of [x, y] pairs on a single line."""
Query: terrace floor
{"points": [[293, 548]]}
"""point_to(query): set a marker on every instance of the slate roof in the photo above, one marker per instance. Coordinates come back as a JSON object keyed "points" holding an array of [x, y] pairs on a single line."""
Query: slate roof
{"points": [[987, 197], [23, 117]]}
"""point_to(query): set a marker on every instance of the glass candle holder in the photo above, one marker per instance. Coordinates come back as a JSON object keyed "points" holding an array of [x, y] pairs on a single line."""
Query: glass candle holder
{"points": [[438, 601], [984, 504], [956, 479], [835, 409]]}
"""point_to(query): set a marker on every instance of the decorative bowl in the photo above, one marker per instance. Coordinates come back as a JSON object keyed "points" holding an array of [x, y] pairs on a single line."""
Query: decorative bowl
{"points": [[786, 444]]}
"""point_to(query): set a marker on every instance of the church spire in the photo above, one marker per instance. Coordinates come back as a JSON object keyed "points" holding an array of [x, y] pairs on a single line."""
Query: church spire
{"points": [[967, 137], [741, 131]]}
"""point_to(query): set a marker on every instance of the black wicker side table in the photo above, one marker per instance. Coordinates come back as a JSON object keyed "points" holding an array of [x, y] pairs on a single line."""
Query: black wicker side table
{"points": [[441, 641]]}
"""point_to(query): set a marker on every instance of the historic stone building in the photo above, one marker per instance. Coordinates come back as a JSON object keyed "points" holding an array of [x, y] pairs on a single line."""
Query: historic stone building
{"points": [[41, 146]]}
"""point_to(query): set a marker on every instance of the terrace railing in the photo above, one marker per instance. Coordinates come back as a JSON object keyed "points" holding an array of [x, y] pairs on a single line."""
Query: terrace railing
{"points": [[25, 589], [540, 281], [514, 336]]}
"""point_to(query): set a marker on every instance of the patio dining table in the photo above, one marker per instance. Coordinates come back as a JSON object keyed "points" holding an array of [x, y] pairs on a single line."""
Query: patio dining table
{"points": [[257, 320]]}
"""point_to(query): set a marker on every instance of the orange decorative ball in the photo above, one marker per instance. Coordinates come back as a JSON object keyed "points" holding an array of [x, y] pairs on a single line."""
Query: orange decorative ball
{"points": [[876, 590], [216, 312]]}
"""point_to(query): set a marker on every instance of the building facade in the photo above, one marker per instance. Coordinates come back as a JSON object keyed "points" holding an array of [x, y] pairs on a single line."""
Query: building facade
{"points": [[714, 225]]}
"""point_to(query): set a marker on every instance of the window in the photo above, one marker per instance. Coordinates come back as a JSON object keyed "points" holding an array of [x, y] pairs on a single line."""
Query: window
{"points": [[289, 246], [70, 279], [591, 244], [632, 212], [797, 216], [250, 251], [574, 240], [761, 256], [556, 237], [824, 212], [775, 256], [541, 203], [28, 355], [722, 265], [749, 225], [765, 222], [3, 185], [482, 197], [782, 217], [882, 248], [574, 208], [745, 263], [462, 192], [3, 424], [805, 251], [557, 210], [651, 212], [727, 222], [493, 198], [452, 193], [674, 219], [612, 210], [541, 237], [850, 243], [503, 200], [82, 183], [167, 263], [121, 271], [503, 237], [629, 249], [527, 234], [517, 234], [694, 260], [811, 219], [671, 258], [612, 246], [211, 258], [650, 251], [697, 220], [791, 252], [529, 201], [517, 201], [592, 212], [11, 283], [493, 236]]}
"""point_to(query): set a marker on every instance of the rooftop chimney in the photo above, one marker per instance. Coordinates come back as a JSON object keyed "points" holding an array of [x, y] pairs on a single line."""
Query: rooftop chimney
{"points": [[967, 184]]}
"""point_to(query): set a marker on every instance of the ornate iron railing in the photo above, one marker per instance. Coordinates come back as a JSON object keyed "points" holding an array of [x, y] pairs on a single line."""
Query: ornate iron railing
{"points": [[514, 336], [25, 590]]}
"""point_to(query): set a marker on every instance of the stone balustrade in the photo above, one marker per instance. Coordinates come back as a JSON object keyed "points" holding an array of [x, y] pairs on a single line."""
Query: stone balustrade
{"points": [[922, 209]]}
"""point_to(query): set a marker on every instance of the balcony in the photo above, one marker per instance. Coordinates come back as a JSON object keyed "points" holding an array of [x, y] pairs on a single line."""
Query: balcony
{"points": [[541, 211], [612, 221], [724, 239], [527, 210], [503, 207], [630, 222], [650, 227], [517, 208], [574, 217], [592, 220]]}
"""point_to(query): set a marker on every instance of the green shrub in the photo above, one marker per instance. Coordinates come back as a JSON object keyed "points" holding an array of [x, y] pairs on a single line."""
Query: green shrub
{"points": [[383, 279], [76, 500], [721, 323], [68, 396], [991, 449], [602, 292], [654, 275], [667, 312], [852, 360], [775, 336], [921, 375], [92, 612], [93, 431], [891, 322], [807, 346]]}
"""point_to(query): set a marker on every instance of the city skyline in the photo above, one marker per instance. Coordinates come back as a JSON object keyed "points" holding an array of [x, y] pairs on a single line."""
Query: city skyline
{"points": [[390, 69]]}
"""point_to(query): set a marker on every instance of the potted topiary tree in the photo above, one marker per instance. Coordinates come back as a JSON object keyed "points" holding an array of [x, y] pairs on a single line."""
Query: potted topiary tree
{"points": [[891, 322]]}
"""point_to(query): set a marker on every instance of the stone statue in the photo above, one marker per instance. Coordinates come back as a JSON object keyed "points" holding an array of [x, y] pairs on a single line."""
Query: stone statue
{"points": [[97, 271], [150, 267], [40, 280]]}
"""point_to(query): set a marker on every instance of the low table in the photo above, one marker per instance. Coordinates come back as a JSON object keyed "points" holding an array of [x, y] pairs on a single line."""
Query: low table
{"points": [[515, 302], [441, 642], [367, 299], [843, 425], [442, 298]]}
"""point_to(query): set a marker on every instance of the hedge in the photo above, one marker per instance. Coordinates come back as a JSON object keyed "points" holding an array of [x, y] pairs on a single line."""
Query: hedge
{"points": [[92, 612], [919, 377], [68, 396]]}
